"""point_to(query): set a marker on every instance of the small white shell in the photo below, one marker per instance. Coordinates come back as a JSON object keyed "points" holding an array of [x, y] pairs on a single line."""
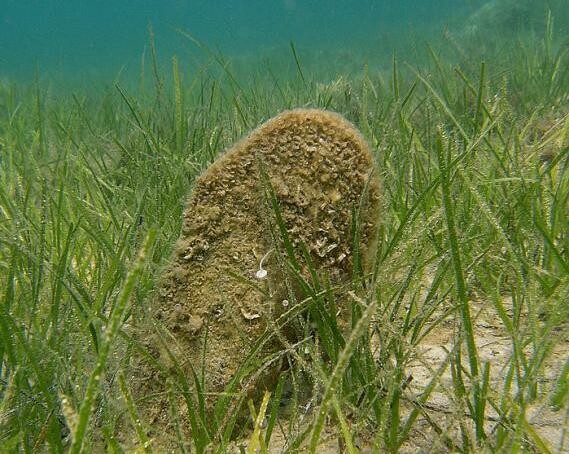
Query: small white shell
{"points": [[250, 315]]}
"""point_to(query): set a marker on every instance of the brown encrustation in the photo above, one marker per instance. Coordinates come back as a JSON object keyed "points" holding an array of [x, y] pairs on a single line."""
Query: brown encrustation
{"points": [[320, 170]]}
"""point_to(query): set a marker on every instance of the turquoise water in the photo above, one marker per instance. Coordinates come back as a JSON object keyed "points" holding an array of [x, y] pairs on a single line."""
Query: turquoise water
{"points": [[88, 39], [93, 37]]}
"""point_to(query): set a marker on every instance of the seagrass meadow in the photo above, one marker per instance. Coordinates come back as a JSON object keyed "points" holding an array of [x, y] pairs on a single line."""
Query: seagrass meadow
{"points": [[459, 335]]}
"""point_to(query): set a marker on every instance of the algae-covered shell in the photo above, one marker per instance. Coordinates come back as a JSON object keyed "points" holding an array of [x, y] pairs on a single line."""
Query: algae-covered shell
{"points": [[319, 168]]}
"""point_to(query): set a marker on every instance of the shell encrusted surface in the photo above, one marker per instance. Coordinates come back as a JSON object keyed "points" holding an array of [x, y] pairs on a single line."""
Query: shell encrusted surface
{"points": [[320, 169]]}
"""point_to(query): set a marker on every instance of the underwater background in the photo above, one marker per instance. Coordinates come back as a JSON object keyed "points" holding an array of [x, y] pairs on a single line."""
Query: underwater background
{"points": [[111, 109], [89, 41]]}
